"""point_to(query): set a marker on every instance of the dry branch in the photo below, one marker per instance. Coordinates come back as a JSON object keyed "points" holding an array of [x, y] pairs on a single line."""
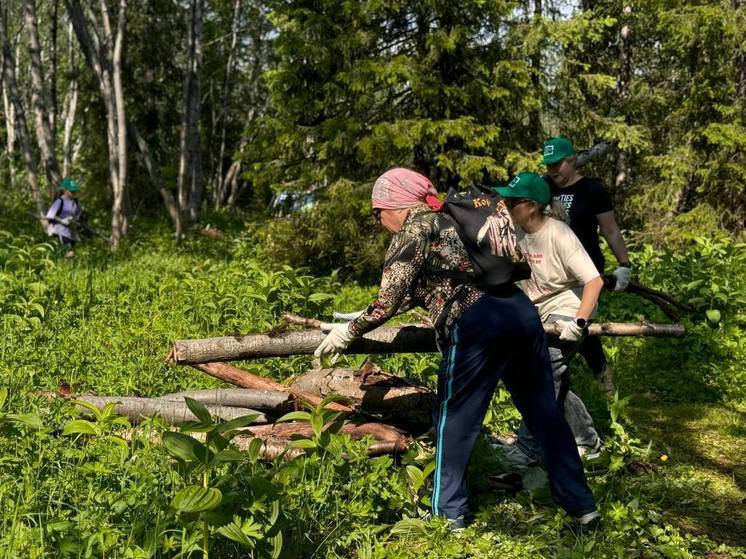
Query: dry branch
{"points": [[245, 379], [175, 413], [264, 400], [387, 339]]}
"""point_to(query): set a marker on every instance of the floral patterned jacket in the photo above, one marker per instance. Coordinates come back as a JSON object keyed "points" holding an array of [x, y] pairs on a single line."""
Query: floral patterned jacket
{"points": [[413, 274]]}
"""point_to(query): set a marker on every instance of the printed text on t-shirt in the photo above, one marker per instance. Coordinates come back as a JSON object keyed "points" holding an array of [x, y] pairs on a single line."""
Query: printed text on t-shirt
{"points": [[565, 199]]}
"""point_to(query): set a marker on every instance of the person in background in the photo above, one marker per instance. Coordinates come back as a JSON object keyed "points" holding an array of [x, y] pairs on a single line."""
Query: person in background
{"points": [[564, 286], [590, 209], [62, 213], [483, 337]]}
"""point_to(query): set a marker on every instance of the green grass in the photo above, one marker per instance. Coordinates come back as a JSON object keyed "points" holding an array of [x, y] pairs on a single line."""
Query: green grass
{"points": [[103, 323]]}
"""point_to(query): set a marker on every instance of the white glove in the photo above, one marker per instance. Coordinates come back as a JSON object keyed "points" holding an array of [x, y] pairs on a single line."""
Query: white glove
{"points": [[571, 332], [337, 340], [622, 278], [64, 221], [347, 316]]}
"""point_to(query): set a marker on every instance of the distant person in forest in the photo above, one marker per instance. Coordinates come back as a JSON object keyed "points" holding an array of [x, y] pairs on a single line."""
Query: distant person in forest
{"points": [[564, 285], [483, 336], [590, 209], [62, 215]]}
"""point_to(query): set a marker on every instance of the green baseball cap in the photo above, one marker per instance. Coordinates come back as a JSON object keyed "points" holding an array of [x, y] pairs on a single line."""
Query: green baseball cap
{"points": [[556, 149], [68, 184], [526, 185]]}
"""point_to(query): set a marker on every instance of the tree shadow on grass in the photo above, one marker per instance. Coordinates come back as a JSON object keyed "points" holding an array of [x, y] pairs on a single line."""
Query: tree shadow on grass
{"points": [[702, 485]]}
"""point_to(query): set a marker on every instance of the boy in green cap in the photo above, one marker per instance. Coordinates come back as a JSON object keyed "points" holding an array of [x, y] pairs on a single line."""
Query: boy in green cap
{"points": [[62, 213], [590, 209]]}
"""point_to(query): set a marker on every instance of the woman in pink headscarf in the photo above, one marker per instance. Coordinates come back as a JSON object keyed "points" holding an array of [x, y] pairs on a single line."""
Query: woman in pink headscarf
{"points": [[483, 337]]}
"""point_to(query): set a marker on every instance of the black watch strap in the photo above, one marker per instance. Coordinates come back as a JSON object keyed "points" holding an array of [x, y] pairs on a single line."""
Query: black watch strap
{"points": [[582, 322]]}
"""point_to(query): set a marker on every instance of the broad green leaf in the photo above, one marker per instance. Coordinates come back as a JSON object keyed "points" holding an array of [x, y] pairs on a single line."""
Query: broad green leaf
{"points": [[181, 446], [302, 443], [80, 427], [195, 498], [295, 416], [255, 448], [713, 315], [3, 396], [199, 409], [29, 419], [276, 543], [228, 455], [233, 532], [317, 424], [237, 423]]}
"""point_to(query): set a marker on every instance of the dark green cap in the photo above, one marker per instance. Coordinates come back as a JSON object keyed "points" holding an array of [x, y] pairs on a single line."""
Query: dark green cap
{"points": [[526, 185], [68, 184], [556, 149]]}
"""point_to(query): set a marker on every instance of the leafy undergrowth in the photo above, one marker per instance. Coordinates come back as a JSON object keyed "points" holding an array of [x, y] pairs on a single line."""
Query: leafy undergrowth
{"points": [[96, 486]]}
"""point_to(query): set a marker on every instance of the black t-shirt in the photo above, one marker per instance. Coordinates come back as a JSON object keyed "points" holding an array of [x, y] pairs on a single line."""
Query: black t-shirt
{"points": [[583, 201]]}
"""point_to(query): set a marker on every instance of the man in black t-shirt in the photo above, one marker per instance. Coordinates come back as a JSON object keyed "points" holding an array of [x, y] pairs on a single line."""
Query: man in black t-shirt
{"points": [[590, 209]]}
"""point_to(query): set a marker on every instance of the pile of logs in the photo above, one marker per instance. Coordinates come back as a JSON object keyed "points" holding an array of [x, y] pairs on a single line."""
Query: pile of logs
{"points": [[388, 408]]}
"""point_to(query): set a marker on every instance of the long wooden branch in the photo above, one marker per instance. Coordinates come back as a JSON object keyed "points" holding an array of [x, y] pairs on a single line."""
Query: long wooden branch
{"points": [[264, 400], [245, 379], [136, 409], [391, 339]]}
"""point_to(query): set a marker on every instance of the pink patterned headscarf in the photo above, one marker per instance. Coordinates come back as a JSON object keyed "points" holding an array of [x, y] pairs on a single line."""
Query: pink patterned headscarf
{"points": [[401, 188]]}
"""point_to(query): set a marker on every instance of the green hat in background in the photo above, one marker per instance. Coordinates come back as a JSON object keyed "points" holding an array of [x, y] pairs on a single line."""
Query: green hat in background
{"points": [[556, 149], [68, 184], [526, 185]]}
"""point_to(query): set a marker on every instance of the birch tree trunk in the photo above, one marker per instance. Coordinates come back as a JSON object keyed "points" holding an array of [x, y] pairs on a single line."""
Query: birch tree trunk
{"points": [[10, 129], [19, 117], [103, 54], [71, 107], [221, 186], [53, 103], [190, 163], [623, 168], [40, 99], [535, 116]]}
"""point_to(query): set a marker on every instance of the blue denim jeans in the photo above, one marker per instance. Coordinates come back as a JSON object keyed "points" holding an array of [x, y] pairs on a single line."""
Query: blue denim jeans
{"points": [[575, 412]]}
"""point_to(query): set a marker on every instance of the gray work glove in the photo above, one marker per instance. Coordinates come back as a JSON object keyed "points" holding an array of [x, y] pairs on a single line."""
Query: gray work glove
{"points": [[348, 316], [622, 274], [570, 332], [337, 340]]}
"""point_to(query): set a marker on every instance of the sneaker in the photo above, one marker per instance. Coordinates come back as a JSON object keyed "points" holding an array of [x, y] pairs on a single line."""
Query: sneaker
{"points": [[589, 521], [456, 524], [514, 457]]}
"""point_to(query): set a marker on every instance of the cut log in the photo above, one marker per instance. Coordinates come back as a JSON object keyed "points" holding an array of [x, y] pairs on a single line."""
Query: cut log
{"points": [[278, 435], [136, 409], [263, 400], [372, 391], [387, 339], [406, 338], [236, 376]]}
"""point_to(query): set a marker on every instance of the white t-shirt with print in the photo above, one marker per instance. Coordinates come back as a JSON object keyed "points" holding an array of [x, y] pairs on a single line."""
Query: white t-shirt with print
{"points": [[560, 267]]}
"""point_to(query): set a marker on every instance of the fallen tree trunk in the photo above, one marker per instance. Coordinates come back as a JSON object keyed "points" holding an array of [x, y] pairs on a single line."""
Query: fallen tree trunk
{"points": [[175, 413], [233, 375], [372, 391], [387, 339], [263, 400], [277, 436]]}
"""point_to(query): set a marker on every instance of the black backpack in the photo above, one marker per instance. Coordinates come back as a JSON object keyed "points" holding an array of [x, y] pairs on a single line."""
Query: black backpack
{"points": [[487, 231]]}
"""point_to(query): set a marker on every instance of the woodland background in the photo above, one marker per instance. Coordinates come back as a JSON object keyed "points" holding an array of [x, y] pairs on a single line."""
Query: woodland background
{"points": [[184, 120]]}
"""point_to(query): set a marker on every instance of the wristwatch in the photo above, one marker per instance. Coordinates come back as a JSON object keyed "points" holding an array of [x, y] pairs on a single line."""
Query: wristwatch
{"points": [[581, 322]]}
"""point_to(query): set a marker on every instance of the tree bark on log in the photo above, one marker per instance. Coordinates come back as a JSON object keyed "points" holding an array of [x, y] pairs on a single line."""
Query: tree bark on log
{"points": [[372, 391], [176, 413], [262, 400], [387, 339], [245, 379]]}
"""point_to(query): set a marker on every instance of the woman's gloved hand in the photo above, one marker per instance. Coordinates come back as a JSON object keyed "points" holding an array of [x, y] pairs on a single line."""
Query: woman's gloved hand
{"points": [[347, 316], [337, 340], [622, 274], [571, 330]]}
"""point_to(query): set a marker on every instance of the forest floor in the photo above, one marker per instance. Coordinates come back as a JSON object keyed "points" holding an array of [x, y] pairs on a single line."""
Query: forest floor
{"points": [[705, 493]]}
